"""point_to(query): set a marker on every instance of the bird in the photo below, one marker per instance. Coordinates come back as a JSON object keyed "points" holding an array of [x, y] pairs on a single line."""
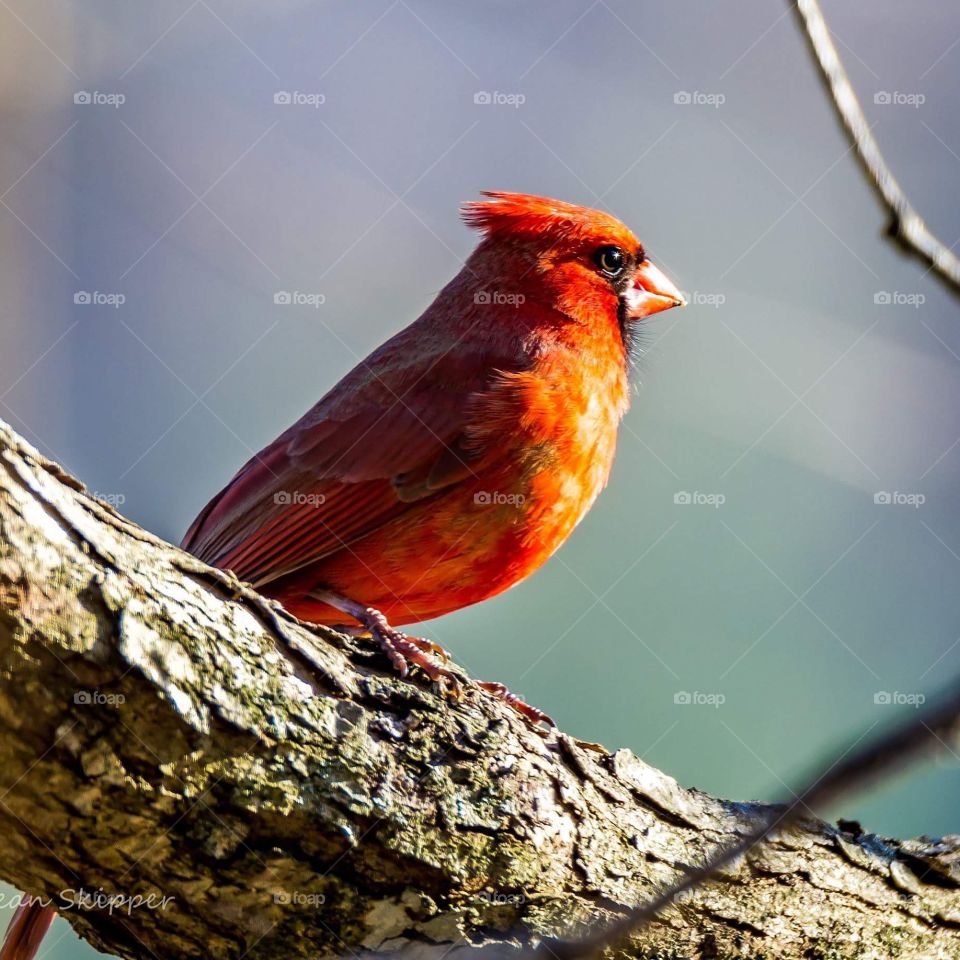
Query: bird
{"points": [[453, 461]]}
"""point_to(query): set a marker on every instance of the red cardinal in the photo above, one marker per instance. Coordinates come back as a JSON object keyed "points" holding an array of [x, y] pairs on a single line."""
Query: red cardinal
{"points": [[454, 460]]}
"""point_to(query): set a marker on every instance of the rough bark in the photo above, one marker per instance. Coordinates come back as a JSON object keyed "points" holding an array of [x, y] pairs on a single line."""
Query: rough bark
{"points": [[165, 732]]}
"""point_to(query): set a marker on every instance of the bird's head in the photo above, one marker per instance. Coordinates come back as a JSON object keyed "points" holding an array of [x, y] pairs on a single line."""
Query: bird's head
{"points": [[586, 263]]}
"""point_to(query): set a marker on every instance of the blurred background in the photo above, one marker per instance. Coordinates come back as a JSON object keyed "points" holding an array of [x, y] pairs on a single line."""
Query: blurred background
{"points": [[772, 572]]}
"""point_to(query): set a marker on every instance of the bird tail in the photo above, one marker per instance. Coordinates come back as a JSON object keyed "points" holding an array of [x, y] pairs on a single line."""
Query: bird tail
{"points": [[26, 930]]}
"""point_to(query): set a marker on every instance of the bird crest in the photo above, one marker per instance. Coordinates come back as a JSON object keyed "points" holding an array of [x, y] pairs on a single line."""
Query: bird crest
{"points": [[525, 215]]}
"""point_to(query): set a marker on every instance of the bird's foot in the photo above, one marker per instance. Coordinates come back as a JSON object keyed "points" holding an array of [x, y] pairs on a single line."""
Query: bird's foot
{"points": [[427, 646], [532, 714], [403, 649]]}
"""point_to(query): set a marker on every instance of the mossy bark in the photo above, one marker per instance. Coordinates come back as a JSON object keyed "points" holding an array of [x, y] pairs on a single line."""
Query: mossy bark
{"points": [[278, 792]]}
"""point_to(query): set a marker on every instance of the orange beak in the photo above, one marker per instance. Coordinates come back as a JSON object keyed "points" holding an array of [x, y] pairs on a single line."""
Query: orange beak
{"points": [[651, 292]]}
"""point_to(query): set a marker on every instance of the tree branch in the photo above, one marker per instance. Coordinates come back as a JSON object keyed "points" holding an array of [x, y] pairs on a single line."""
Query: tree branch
{"points": [[279, 793], [935, 726], [907, 227]]}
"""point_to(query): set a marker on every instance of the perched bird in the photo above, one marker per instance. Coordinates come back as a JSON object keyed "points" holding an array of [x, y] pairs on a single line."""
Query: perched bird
{"points": [[454, 460]]}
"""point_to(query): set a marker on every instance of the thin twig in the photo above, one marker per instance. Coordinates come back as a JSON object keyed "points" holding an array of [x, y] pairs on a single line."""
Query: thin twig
{"points": [[906, 225], [939, 723]]}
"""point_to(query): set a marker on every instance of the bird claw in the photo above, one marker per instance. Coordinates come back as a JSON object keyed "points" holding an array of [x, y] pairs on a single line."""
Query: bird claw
{"points": [[428, 646], [531, 714], [402, 650]]}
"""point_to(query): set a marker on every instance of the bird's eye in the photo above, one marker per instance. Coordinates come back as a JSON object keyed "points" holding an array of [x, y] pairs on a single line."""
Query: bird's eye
{"points": [[610, 261]]}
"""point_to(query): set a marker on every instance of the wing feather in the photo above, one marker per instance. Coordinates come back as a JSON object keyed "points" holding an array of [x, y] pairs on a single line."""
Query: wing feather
{"points": [[379, 442]]}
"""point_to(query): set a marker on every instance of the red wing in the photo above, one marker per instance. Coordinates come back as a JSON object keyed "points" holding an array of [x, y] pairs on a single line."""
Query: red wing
{"points": [[375, 444]]}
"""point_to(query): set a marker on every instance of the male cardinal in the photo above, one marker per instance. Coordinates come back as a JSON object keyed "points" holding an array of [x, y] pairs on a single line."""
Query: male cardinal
{"points": [[454, 460]]}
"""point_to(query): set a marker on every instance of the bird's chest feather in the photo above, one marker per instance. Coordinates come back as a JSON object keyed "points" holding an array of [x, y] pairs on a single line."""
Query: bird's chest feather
{"points": [[556, 429]]}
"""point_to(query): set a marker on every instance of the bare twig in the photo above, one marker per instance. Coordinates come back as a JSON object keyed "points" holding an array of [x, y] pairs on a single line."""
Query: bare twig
{"points": [[906, 226]]}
